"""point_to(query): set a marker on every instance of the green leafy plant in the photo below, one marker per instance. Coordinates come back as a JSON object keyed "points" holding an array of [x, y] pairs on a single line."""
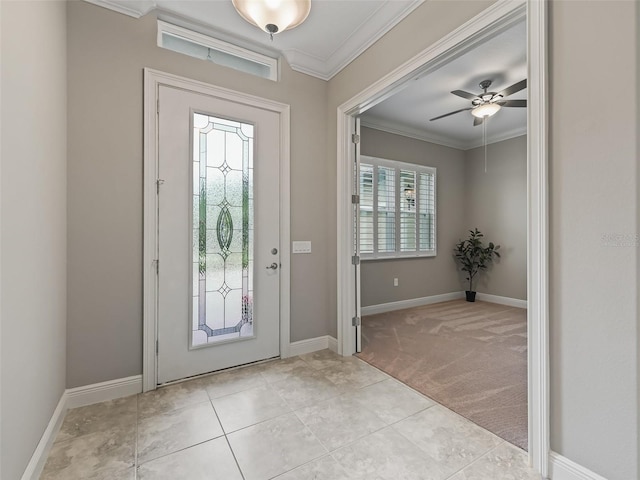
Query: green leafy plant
{"points": [[473, 256]]}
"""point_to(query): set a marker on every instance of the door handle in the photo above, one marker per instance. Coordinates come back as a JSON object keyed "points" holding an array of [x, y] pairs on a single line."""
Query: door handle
{"points": [[273, 266]]}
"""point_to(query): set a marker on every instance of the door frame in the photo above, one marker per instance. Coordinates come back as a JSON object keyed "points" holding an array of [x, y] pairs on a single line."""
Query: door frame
{"points": [[501, 14], [153, 79]]}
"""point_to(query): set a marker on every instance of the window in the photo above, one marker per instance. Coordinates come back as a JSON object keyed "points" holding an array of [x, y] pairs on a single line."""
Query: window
{"points": [[201, 46], [397, 209]]}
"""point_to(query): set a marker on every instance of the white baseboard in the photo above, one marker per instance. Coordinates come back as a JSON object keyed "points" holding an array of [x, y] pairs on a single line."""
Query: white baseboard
{"points": [[412, 302], [561, 468], [333, 343], [73, 398], [511, 302], [39, 457], [101, 392], [313, 345]]}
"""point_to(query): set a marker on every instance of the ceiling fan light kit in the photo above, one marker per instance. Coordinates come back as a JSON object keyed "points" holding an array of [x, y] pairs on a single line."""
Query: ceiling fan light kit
{"points": [[487, 104], [273, 16], [485, 110]]}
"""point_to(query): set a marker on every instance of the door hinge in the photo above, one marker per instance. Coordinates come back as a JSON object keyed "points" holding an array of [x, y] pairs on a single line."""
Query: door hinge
{"points": [[355, 199], [158, 106], [157, 347], [355, 260], [355, 138], [157, 264], [355, 321], [158, 183]]}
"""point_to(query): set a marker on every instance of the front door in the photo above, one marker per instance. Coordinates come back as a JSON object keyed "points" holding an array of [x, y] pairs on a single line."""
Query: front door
{"points": [[218, 233]]}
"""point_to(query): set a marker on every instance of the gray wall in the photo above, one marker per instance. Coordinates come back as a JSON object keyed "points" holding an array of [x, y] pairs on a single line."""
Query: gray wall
{"points": [[33, 240], [423, 27], [496, 204], [107, 52], [594, 193], [594, 190], [419, 277]]}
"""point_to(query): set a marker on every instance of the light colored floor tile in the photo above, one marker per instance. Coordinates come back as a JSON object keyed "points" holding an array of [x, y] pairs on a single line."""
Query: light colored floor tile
{"points": [[324, 468], [171, 397], [206, 461], [279, 370], [505, 462], [172, 431], [274, 447], [354, 374], [388, 455], [100, 416], [451, 440], [326, 358], [98, 455], [246, 408], [233, 381], [307, 387], [339, 421], [391, 400]]}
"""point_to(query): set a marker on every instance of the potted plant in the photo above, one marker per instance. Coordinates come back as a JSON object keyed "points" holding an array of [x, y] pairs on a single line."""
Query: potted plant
{"points": [[473, 257]]}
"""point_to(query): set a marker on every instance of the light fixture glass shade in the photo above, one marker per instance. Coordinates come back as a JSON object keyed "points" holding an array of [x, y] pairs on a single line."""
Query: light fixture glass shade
{"points": [[485, 110], [273, 16]]}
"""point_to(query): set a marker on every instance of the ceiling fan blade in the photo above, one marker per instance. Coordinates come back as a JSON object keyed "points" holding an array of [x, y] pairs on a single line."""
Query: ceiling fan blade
{"points": [[516, 87], [463, 94], [477, 121], [513, 103], [450, 113]]}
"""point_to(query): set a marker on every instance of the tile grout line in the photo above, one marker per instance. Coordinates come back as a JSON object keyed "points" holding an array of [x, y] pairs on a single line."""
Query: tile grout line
{"points": [[226, 438]]}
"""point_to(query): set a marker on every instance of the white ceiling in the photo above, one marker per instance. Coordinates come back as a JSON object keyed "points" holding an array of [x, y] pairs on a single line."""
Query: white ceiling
{"points": [[334, 34], [502, 59]]}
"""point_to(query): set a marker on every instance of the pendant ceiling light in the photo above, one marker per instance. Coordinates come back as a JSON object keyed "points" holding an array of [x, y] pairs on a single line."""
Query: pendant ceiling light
{"points": [[273, 16]]}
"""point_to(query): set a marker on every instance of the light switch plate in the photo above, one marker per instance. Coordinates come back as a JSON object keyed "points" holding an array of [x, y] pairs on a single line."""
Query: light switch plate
{"points": [[302, 247]]}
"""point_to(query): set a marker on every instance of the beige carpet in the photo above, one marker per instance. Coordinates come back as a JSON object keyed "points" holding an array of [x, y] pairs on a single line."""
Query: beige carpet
{"points": [[470, 357]]}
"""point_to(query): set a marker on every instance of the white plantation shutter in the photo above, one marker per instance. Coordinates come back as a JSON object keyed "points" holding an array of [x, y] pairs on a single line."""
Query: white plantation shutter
{"points": [[427, 207], [397, 209], [386, 209], [366, 208]]}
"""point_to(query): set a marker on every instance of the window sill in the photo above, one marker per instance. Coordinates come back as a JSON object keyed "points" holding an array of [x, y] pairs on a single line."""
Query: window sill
{"points": [[396, 256]]}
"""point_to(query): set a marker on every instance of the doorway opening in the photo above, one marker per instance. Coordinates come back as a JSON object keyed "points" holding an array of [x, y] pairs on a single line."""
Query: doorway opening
{"points": [[498, 18]]}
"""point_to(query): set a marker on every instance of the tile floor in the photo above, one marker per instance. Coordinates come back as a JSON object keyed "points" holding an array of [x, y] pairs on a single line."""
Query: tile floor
{"points": [[318, 416]]}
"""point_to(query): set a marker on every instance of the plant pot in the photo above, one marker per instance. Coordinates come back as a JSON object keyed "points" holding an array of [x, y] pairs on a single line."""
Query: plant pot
{"points": [[471, 296]]}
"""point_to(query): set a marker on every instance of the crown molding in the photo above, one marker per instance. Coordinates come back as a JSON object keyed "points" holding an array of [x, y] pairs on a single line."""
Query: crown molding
{"points": [[370, 30], [418, 134], [132, 9]]}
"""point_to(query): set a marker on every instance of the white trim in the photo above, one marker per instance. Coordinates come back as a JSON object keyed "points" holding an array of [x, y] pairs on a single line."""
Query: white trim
{"points": [[370, 30], [410, 303], [312, 345], [103, 391], [152, 81], [333, 343], [39, 457], [500, 15], [510, 302], [144, 7], [538, 237], [405, 131], [561, 468]]}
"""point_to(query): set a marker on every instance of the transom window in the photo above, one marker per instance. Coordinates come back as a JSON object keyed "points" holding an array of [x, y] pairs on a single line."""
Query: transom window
{"points": [[397, 209]]}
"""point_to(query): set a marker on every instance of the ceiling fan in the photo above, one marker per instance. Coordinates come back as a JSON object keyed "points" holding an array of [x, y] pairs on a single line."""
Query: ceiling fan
{"points": [[487, 104]]}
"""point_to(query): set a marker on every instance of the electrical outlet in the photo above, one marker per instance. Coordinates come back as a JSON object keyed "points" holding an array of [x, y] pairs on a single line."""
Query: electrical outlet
{"points": [[395, 282]]}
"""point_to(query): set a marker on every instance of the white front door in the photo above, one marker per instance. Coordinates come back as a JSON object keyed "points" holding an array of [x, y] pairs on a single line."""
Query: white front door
{"points": [[218, 234]]}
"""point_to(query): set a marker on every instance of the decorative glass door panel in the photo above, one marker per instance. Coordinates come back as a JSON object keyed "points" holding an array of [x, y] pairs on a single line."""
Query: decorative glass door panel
{"points": [[218, 232], [222, 292]]}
